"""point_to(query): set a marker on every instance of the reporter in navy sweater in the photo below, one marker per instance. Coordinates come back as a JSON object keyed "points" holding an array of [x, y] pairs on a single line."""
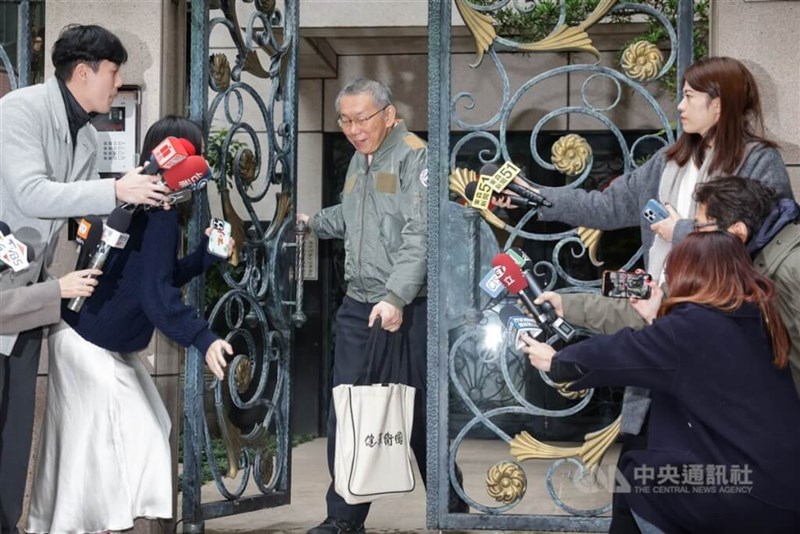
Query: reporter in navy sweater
{"points": [[104, 455], [723, 444]]}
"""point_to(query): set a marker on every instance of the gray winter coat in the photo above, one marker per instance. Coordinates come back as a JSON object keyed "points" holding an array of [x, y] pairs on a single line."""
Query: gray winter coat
{"points": [[383, 221], [44, 178]]}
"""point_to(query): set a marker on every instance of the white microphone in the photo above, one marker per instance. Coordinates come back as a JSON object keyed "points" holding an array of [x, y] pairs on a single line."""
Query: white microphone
{"points": [[14, 254]]}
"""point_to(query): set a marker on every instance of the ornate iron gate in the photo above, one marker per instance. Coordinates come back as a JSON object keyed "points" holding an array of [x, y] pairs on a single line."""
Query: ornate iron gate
{"points": [[251, 135], [462, 369], [21, 75]]}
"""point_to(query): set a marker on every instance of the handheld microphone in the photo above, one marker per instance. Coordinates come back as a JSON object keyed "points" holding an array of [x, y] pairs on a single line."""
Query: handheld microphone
{"points": [[512, 277], [516, 325], [525, 264], [470, 188], [14, 254], [114, 236], [192, 173], [535, 198], [90, 231], [169, 153]]}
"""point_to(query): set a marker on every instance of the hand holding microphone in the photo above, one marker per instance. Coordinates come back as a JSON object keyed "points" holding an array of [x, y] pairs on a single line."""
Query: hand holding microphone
{"points": [[518, 282], [526, 196], [146, 188], [78, 283], [138, 188], [114, 236]]}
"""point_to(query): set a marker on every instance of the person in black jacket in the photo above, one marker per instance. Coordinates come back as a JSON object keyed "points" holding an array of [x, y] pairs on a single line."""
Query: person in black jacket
{"points": [[104, 456], [723, 444]]}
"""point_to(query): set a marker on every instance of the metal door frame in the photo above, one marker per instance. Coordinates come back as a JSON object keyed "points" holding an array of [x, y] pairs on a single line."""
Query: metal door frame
{"points": [[440, 352], [260, 293]]}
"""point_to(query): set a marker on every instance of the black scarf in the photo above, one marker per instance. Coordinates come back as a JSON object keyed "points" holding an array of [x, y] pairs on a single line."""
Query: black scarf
{"points": [[77, 117]]}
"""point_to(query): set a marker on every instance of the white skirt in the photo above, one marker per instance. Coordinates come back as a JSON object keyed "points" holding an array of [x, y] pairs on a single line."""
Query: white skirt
{"points": [[104, 455]]}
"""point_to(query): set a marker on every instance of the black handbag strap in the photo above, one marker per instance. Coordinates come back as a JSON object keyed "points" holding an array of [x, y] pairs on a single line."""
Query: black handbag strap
{"points": [[386, 359]]}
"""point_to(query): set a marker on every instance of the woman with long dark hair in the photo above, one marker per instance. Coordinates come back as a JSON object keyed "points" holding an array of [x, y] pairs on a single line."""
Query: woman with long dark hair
{"points": [[723, 442], [104, 456], [722, 134]]}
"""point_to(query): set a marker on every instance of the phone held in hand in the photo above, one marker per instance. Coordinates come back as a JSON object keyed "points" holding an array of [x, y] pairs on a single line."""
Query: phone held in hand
{"points": [[623, 285], [654, 211], [220, 238]]}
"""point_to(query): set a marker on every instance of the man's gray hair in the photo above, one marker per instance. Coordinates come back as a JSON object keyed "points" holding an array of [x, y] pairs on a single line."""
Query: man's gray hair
{"points": [[379, 91]]}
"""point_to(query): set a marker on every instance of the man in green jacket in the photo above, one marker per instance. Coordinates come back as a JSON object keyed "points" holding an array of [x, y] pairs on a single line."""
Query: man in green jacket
{"points": [[382, 218]]}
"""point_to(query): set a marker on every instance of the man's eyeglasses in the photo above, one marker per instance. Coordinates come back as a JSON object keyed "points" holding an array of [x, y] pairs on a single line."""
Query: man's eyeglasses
{"points": [[347, 123], [699, 226]]}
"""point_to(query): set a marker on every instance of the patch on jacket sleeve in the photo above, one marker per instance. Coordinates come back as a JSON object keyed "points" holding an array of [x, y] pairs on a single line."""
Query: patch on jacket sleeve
{"points": [[350, 183], [386, 182], [413, 142], [423, 177]]}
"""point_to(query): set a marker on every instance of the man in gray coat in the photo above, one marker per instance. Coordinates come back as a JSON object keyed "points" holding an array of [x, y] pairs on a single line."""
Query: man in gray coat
{"points": [[48, 172]]}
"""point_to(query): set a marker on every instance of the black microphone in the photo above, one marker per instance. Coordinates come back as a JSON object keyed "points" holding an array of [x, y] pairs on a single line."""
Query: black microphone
{"points": [[469, 192], [114, 236], [535, 198], [88, 236], [524, 284]]}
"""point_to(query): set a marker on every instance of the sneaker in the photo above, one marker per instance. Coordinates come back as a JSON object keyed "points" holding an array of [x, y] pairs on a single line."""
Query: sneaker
{"points": [[337, 526]]}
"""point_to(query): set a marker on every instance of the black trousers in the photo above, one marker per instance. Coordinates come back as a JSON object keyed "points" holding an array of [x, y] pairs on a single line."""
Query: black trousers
{"points": [[349, 361], [622, 521], [17, 398]]}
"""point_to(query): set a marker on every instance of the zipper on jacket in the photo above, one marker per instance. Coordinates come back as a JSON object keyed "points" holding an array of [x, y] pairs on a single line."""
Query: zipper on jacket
{"points": [[361, 238]]}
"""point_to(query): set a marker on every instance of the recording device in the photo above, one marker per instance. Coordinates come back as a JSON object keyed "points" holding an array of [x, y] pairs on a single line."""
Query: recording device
{"points": [[88, 236], [654, 211], [114, 236], [14, 254], [534, 198], [517, 282], [623, 285], [516, 325], [220, 238], [169, 153]]}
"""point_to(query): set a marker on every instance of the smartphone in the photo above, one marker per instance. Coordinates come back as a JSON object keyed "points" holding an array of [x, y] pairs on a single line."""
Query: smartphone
{"points": [[623, 285], [220, 238], [654, 211]]}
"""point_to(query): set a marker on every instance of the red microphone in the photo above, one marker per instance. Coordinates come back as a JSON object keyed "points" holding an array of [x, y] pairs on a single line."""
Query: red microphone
{"points": [[509, 273], [515, 280], [169, 153], [191, 173]]}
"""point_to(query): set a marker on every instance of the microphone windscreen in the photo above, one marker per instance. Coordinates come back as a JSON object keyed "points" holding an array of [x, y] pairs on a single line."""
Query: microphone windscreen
{"points": [[509, 273], [488, 169], [186, 173], [119, 220], [507, 312], [4, 228], [469, 190], [188, 146]]}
